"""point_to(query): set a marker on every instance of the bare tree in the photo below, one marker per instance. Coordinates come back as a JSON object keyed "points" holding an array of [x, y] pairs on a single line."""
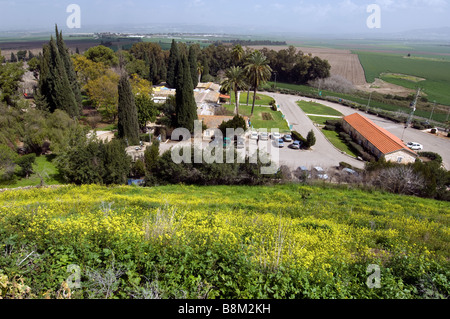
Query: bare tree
{"points": [[400, 180], [335, 83]]}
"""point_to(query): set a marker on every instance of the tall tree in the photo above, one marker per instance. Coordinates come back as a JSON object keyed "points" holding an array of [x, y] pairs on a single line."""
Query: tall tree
{"points": [[54, 84], [193, 65], [128, 125], [154, 71], [69, 66], [200, 69], [237, 54], [235, 81], [258, 71], [116, 163], [186, 107], [174, 57]]}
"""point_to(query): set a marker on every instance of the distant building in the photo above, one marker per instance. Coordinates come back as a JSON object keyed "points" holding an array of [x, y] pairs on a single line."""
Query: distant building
{"points": [[377, 140]]}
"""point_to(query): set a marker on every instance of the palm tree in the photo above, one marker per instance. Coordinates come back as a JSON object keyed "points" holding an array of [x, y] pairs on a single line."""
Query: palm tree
{"points": [[235, 80], [237, 54], [200, 69], [258, 72]]}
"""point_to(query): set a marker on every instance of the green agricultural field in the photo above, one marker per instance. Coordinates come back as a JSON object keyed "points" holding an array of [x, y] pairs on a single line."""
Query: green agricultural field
{"points": [[436, 73], [263, 242]]}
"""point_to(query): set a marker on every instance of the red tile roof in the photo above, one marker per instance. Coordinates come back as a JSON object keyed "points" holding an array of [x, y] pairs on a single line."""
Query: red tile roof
{"points": [[383, 140]]}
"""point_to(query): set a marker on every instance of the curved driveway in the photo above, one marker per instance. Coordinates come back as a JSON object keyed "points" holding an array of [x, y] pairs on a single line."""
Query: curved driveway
{"points": [[325, 154]]}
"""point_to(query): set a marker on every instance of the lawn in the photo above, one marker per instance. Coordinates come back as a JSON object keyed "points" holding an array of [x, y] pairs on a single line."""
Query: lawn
{"points": [[334, 138], [258, 121], [321, 120], [45, 166], [317, 109], [260, 99]]}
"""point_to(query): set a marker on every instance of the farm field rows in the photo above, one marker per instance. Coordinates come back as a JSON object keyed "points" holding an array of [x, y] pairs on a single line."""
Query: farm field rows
{"points": [[435, 73], [288, 241], [343, 62]]}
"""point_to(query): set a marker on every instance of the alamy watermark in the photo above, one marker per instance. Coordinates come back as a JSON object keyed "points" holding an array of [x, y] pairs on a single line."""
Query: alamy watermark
{"points": [[374, 279], [265, 153], [374, 20], [74, 19]]}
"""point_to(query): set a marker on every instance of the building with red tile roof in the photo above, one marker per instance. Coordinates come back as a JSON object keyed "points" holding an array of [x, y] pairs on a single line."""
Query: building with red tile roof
{"points": [[377, 140]]}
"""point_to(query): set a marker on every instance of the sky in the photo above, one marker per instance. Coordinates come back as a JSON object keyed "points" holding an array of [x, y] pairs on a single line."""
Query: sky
{"points": [[242, 16]]}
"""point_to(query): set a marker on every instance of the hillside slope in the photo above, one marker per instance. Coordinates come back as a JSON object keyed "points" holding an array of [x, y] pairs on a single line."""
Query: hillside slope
{"points": [[288, 241]]}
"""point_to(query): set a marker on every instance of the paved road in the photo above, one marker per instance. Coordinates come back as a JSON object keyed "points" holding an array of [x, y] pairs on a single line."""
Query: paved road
{"points": [[303, 124], [324, 154]]}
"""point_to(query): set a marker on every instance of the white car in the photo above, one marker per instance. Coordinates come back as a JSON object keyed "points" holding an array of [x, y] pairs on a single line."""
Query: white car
{"points": [[276, 136], [415, 146], [254, 136], [287, 138], [320, 172], [264, 136]]}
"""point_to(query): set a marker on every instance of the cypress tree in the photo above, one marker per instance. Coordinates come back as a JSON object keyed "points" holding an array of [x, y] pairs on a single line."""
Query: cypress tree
{"points": [[128, 125], [193, 65], [174, 56], [70, 71], [154, 77], [186, 108], [54, 84], [205, 69], [162, 69]]}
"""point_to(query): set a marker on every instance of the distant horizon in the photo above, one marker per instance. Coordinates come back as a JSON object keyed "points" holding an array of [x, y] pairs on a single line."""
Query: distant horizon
{"points": [[413, 34], [251, 17]]}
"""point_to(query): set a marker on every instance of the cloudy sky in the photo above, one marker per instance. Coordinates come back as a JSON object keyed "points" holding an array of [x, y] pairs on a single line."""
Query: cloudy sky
{"points": [[297, 16]]}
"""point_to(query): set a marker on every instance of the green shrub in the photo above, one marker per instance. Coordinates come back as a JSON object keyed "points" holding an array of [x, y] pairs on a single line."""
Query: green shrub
{"points": [[145, 138], [432, 156], [298, 137]]}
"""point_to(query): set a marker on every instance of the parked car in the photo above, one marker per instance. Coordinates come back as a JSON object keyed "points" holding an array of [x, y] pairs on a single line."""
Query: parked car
{"points": [[320, 172], [264, 136], [240, 143], [296, 145], [254, 135], [350, 171], [279, 143], [287, 138], [276, 136], [415, 146]]}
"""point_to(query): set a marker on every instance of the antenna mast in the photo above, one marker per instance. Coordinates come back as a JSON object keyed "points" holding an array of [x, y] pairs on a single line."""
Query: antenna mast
{"points": [[413, 105]]}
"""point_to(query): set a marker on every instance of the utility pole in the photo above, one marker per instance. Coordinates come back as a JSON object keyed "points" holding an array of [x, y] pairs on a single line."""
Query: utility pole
{"points": [[368, 104], [414, 107], [433, 111]]}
